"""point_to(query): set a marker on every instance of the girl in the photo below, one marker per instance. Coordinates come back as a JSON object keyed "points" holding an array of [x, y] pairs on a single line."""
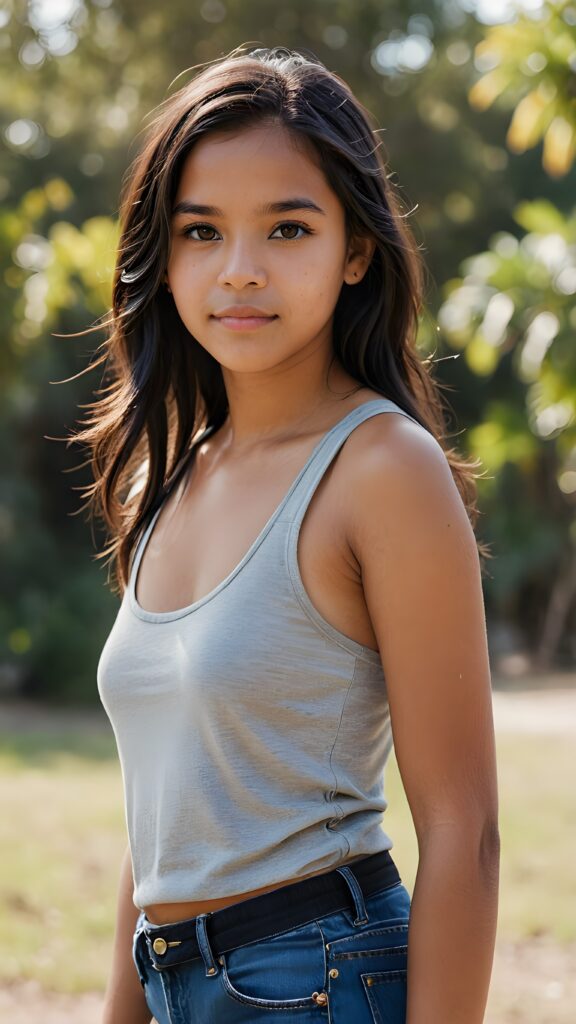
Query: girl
{"points": [[299, 575]]}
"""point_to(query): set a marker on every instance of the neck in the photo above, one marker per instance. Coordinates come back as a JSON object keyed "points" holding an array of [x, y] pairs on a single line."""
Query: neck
{"points": [[281, 403]]}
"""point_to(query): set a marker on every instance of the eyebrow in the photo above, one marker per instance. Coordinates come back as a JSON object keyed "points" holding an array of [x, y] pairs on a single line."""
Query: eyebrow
{"points": [[282, 206]]}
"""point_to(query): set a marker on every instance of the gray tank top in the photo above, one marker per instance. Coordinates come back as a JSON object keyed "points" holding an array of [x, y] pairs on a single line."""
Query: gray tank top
{"points": [[252, 734]]}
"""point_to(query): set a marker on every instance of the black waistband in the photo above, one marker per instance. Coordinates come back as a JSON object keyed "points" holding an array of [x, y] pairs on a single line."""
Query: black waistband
{"points": [[262, 916]]}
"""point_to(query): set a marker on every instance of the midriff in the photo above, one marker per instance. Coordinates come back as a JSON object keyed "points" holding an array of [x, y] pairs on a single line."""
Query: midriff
{"points": [[170, 913]]}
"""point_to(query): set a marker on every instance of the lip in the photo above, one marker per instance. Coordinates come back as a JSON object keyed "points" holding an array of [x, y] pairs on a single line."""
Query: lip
{"points": [[245, 323], [244, 318], [244, 311]]}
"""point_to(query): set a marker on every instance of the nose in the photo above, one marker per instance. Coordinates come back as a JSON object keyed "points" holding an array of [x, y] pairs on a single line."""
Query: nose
{"points": [[241, 268]]}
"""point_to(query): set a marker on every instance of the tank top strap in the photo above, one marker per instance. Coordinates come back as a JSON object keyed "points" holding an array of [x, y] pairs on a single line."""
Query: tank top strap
{"points": [[305, 485]]}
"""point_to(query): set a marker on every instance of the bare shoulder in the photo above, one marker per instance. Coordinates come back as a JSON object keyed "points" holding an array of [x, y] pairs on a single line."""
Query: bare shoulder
{"points": [[397, 479], [390, 434]]}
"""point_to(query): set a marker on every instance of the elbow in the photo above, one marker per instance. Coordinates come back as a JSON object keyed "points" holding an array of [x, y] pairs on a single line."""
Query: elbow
{"points": [[480, 836], [489, 851]]}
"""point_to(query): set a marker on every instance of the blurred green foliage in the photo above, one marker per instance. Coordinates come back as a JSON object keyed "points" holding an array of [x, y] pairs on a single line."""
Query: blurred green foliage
{"points": [[542, 50], [493, 214]]}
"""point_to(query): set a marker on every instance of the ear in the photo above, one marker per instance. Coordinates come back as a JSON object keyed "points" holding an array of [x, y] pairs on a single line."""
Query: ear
{"points": [[358, 259]]}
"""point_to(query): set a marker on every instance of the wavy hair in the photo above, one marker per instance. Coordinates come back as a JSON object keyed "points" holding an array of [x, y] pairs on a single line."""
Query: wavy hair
{"points": [[162, 386]]}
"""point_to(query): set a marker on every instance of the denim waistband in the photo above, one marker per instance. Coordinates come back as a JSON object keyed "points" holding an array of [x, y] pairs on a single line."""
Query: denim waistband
{"points": [[270, 913]]}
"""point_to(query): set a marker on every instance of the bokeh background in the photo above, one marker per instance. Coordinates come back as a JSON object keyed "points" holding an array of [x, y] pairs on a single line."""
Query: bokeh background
{"points": [[476, 100]]}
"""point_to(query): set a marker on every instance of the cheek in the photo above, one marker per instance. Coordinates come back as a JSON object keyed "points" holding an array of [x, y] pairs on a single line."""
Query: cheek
{"points": [[190, 286], [321, 279], [183, 268]]}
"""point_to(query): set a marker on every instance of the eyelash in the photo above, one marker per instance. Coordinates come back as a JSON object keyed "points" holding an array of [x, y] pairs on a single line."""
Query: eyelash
{"points": [[287, 223]]}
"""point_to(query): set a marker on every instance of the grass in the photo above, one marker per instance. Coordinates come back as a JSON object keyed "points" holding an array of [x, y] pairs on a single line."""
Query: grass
{"points": [[64, 833]]}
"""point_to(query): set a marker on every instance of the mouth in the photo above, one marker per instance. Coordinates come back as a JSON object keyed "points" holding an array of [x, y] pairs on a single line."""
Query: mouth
{"points": [[244, 323]]}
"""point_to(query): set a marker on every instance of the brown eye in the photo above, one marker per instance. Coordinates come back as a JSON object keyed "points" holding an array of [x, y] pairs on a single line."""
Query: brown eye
{"points": [[198, 227], [291, 225]]}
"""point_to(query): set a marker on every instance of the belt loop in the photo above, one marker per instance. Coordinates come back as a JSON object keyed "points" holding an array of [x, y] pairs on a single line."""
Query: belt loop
{"points": [[357, 894], [204, 944]]}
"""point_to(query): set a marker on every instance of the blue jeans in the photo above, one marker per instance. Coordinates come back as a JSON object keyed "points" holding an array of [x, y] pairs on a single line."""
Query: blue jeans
{"points": [[330, 970]]}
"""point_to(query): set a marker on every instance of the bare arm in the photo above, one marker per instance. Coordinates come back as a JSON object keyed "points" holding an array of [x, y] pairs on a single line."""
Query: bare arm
{"points": [[124, 1002], [410, 533]]}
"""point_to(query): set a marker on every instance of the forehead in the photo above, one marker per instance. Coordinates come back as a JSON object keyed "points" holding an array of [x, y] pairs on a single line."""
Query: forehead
{"points": [[225, 167]]}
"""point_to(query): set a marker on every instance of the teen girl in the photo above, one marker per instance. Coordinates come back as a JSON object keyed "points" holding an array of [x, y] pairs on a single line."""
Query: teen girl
{"points": [[300, 580]]}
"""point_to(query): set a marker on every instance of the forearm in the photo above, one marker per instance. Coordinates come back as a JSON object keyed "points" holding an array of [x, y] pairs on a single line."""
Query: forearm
{"points": [[124, 1002], [452, 929]]}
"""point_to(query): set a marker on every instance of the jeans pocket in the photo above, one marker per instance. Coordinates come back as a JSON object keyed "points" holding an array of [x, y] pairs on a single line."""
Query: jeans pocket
{"points": [[367, 975], [283, 972], [386, 992]]}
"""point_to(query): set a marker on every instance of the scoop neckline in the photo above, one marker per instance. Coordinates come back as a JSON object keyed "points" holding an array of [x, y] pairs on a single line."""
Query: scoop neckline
{"points": [[178, 613]]}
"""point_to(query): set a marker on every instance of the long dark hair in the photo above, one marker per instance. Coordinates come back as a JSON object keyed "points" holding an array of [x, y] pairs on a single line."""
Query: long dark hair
{"points": [[163, 388]]}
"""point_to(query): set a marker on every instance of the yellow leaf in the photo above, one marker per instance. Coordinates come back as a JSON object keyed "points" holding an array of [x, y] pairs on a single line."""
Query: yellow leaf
{"points": [[559, 147], [487, 89], [527, 124]]}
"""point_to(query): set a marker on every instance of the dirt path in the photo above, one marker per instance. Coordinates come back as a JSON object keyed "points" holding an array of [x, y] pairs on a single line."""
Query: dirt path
{"points": [[552, 712]]}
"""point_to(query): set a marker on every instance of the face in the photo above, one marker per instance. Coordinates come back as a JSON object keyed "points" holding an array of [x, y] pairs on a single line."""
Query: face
{"points": [[288, 263]]}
